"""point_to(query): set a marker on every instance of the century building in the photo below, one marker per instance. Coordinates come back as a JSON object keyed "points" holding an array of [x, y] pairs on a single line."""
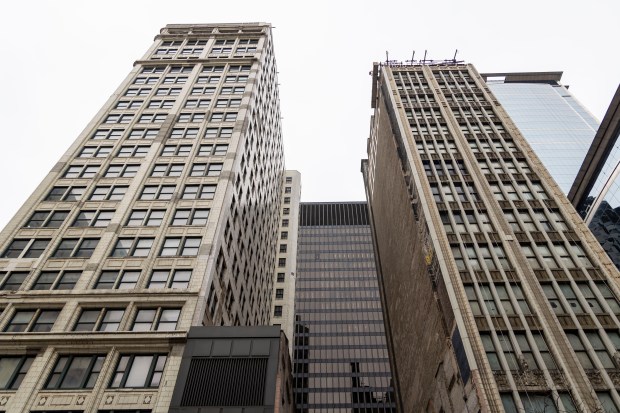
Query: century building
{"points": [[496, 295], [340, 360], [556, 126], [162, 215]]}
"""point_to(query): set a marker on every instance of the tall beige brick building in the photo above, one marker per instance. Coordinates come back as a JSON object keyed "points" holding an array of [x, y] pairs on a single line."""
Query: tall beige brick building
{"points": [[496, 295], [163, 214]]}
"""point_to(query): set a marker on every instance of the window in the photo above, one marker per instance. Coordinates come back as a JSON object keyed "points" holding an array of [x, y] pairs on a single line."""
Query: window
{"points": [[284, 235], [11, 281], [571, 298], [171, 80], [580, 351], [289, 179], [111, 134], [582, 257], [203, 169], [167, 169], [138, 91], [213, 69], [174, 246], [170, 279], [197, 103], [198, 192], [208, 79], [282, 248], [156, 319], [81, 171], [13, 369], [221, 50], [75, 372], [281, 262], [208, 90], [168, 91], [76, 248], [108, 193], [285, 222], [138, 371], [242, 50], [228, 103], [223, 116], [232, 90], [140, 133], [553, 299], [530, 256], [25, 248], [191, 117], [212, 133], [473, 300], [609, 297], [190, 216], [129, 104], [95, 152], [244, 68], [287, 200], [56, 280], [146, 217], [121, 280], [31, 321], [287, 190], [286, 211], [161, 104], [176, 150], [122, 171], [153, 118], [132, 247], [280, 277], [99, 319], [277, 311], [184, 133], [161, 192], [137, 151], [46, 219], [235, 79], [119, 118], [279, 293], [93, 218], [215, 150], [146, 80], [600, 350], [65, 193], [186, 69]]}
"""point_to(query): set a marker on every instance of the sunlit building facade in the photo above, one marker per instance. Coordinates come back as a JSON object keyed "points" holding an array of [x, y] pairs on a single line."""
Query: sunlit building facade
{"points": [[519, 301], [340, 359], [162, 215]]}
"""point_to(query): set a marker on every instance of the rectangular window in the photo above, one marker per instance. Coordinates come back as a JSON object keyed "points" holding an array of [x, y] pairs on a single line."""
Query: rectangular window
{"points": [[56, 280], [138, 371], [203, 169], [279, 293], [76, 248], [141, 133], [161, 104], [191, 117], [99, 319], [65, 193], [35, 321], [212, 133], [25, 248], [111, 134], [177, 246], [280, 277], [168, 91], [11, 281], [121, 280], [197, 216], [132, 247], [13, 369], [95, 152], [93, 218], [184, 133], [146, 217], [197, 103], [138, 91], [277, 311], [198, 192], [153, 118], [81, 171], [208, 90], [133, 151], [129, 104], [176, 150], [46, 219], [170, 279], [156, 319], [108, 193], [122, 171], [167, 169], [160, 192], [75, 372]]}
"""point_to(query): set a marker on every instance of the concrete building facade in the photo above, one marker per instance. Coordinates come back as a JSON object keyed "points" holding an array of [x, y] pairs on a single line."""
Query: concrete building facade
{"points": [[163, 214], [520, 308]]}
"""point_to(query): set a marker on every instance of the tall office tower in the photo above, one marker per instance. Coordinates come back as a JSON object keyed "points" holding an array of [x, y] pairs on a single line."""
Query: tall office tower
{"points": [[283, 300], [596, 190], [162, 215], [496, 295], [340, 361], [554, 123]]}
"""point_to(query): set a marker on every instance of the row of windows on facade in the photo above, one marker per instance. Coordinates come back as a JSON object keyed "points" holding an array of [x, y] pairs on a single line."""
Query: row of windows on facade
{"points": [[548, 402], [177, 70], [82, 371], [169, 51], [102, 218], [176, 91], [167, 104], [107, 280], [117, 192], [520, 351], [84, 247], [151, 133], [140, 151], [159, 170], [182, 118], [561, 296]]}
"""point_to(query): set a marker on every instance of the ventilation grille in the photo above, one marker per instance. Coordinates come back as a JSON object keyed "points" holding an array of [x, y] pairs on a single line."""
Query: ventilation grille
{"points": [[347, 213], [225, 382]]}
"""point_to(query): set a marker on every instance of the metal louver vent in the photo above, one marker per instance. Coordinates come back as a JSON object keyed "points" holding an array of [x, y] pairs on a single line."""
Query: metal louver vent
{"points": [[225, 382]]}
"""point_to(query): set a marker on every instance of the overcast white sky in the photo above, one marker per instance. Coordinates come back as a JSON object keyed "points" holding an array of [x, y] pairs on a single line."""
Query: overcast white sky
{"points": [[63, 59]]}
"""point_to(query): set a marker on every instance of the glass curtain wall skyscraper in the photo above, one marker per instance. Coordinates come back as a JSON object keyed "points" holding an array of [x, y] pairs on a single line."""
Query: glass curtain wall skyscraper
{"points": [[162, 215], [520, 308], [340, 355], [557, 127]]}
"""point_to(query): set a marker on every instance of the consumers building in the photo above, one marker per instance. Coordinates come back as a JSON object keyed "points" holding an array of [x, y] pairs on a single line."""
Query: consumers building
{"points": [[496, 296], [340, 359], [163, 214]]}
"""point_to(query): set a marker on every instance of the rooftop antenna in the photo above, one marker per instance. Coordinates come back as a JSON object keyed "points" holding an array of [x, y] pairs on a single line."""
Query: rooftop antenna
{"points": [[424, 60], [455, 52], [387, 57], [412, 56]]}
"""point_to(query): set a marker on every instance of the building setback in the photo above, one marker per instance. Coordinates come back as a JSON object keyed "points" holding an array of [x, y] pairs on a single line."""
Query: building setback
{"points": [[496, 295], [340, 360], [162, 215]]}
